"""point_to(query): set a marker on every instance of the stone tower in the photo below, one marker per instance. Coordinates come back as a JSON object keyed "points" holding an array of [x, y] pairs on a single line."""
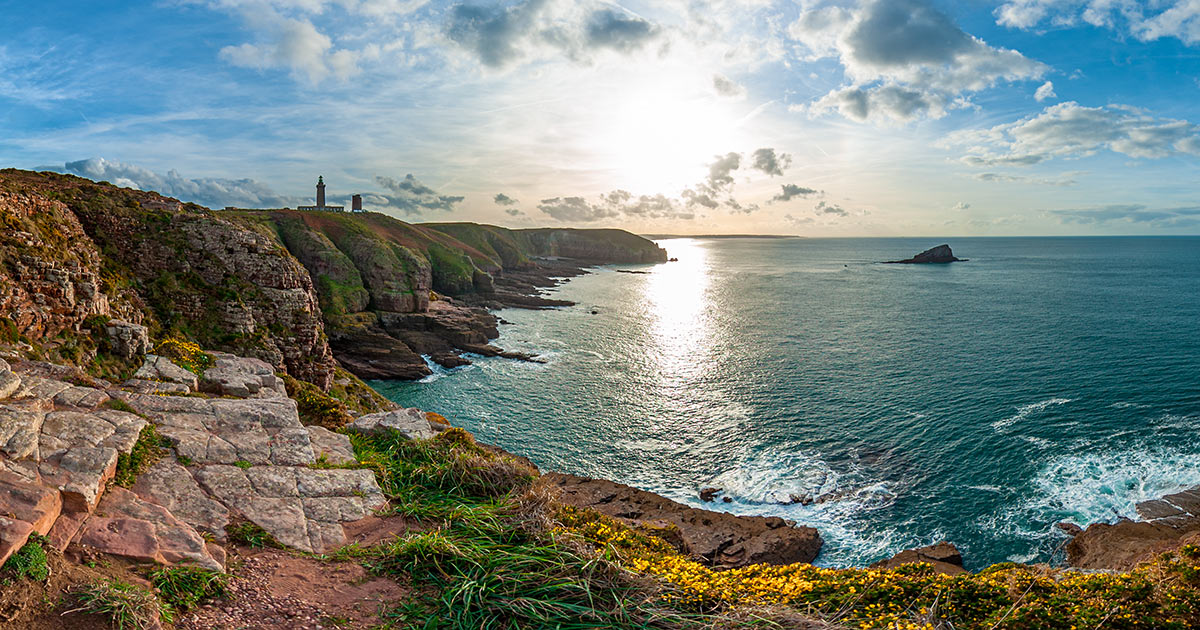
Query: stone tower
{"points": [[356, 203], [320, 191]]}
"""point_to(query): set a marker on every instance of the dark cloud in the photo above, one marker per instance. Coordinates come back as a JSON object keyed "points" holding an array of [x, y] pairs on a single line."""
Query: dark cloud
{"points": [[791, 191], [693, 198], [513, 212], [724, 86], [769, 162], [794, 220], [412, 197], [1131, 213], [903, 59], [499, 36], [502, 199], [830, 209], [720, 172], [206, 191], [618, 31], [576, 210]]}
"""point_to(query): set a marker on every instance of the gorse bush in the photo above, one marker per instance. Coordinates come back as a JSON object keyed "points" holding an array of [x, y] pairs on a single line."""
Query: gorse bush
{"points": [[186, 354]]}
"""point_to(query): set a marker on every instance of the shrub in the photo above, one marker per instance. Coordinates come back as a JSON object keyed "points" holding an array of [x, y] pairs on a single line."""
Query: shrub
{"points": [[8, 331], [186, 354], [29, 561], [148, 449], [127, 607], [185, 586], [315, 406]]}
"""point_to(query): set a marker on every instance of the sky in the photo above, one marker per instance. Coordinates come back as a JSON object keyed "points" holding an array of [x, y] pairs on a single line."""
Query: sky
{"points": [[806, 117]]}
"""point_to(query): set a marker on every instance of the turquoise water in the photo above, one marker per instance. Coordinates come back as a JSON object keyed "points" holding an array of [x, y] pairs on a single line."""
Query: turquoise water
{"points": [[1045, 380]]}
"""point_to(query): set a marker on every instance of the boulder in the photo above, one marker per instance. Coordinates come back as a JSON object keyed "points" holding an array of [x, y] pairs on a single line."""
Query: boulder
{"points": [[937, 255], [716, 538], [411, 423], [242, 378], [943, 556], [127, 340], [158, 368]]}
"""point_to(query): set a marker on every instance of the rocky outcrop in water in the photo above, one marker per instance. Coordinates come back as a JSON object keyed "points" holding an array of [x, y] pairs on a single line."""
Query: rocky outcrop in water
{"points": [[716, 538], [937, 255], [1167, 523], [944, 557]]}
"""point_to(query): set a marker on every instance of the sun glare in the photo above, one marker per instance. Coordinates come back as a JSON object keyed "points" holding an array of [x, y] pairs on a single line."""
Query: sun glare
{"points": [[657, 139]]}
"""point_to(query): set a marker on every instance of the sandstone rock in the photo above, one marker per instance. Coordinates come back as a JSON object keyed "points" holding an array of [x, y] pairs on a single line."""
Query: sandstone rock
{"points": [[128, 340], [38, 388], [1170, 522], [125, 525], [81, 474], [142, 386], [25, 508], [158, 368], [9, 382], [170, 485], [716, 538], [411, 423], [82, 397], [241, 377], [20, 423], [943, 556], [334, 447], [708, 494], [301, 507]]}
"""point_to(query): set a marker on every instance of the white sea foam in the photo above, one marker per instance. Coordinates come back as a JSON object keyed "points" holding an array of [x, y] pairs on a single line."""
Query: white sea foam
{"points": [[1025, 411], [439, 371], [1097, 487]]}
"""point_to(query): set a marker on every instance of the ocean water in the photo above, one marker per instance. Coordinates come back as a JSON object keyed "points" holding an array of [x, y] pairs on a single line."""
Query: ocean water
{"points": [[1047, 379]]}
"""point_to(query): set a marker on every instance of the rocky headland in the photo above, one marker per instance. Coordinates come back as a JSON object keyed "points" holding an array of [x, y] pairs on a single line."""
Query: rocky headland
{"points": [[180, 389]]}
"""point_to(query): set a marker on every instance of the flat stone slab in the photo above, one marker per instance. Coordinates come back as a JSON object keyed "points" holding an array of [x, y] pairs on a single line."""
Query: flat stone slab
{"points": [[241, 377], [83, 397], [301, 507], [125, 525], [41, 388], [9, 382], [411, 423], [20, 425], [335, 448], [172, 486]]}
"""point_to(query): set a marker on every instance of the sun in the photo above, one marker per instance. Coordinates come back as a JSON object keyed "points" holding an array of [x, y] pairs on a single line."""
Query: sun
{"points": [[657, 138]]}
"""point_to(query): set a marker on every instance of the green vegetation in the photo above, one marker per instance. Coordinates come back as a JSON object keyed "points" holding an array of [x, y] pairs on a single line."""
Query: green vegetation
{"points": [[251, 535], [127, 606], [185, 354], [8, 331], [183, 586], [148, 449], [315, 406], [29, 561], [116, 404]]}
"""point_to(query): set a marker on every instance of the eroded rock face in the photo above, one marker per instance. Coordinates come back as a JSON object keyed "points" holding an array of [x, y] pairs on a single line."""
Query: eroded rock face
{"points": [[128, 340], [241, 377], [716, 538]]}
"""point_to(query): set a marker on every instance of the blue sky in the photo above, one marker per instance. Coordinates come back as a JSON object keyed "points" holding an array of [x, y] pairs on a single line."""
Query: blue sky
{"points": [[884, 117]]}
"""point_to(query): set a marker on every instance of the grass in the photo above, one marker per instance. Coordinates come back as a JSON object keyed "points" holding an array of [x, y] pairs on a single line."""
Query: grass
{"points": [[116, 404], [315, 406], [29, 561], [148, 449], [125, 605], [495, 561], [251, 535], [184, 587]]}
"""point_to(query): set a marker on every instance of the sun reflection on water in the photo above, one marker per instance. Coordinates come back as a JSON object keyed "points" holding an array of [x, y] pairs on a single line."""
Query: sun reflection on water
{"points": [[677, 294]]}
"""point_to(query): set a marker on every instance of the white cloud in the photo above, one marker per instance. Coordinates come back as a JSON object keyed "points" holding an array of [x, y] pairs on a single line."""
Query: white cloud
{"points": [[960, 206], [903, 59], [1046, 91], [728, 88], [293, 44], [207, 191], [1070, 130], [1146, 21]]}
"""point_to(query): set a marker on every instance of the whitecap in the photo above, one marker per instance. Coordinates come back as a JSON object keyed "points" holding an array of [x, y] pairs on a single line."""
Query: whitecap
{"points": [[1025, 411]]}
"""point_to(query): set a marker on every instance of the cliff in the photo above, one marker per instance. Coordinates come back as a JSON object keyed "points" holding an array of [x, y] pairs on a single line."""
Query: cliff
{"points": [[295, 289]]}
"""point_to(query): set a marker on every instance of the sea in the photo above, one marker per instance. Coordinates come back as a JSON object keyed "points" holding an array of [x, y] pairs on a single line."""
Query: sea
{"points": [[889, 406]]}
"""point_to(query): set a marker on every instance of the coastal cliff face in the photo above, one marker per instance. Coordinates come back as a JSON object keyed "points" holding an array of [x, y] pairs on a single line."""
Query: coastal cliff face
{"points": [[78, 249], [294, 289]]}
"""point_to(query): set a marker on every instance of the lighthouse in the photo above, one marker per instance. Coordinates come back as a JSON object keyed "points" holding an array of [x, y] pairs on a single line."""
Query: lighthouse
{"points": [[321, 192]]}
